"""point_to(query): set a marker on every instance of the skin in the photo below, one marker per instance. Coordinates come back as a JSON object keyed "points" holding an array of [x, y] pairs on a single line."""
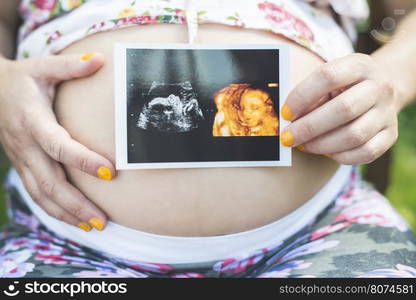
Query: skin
{"points": [[36, 148], [369, 92], [356, 126]]}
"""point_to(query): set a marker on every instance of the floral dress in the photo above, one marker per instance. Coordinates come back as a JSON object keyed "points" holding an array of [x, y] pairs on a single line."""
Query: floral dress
{"points": [[51, 25], [358, 235]]}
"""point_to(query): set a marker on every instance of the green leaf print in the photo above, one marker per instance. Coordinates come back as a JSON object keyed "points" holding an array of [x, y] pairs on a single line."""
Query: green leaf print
{"points": [[168, 9]]}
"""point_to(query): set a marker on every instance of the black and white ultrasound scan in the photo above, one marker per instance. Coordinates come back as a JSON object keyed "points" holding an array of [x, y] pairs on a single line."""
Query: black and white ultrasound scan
{"points": [[170, 108], [188, 106]]}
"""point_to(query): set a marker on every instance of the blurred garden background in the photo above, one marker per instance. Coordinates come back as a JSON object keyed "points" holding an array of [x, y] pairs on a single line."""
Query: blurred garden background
{"points": [[394, 174]]}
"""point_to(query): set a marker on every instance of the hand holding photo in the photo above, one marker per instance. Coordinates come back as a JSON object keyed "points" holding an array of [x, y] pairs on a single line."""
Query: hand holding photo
{"points": [[200, 106]]}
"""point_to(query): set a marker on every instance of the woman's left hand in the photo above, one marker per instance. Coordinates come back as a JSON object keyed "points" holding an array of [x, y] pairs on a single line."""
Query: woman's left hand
{"points": [[347, 109]]}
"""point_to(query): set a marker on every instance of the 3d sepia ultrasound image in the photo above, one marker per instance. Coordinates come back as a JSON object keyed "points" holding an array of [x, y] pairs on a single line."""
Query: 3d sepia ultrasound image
{"points": [[202, 105], [243, 111]]}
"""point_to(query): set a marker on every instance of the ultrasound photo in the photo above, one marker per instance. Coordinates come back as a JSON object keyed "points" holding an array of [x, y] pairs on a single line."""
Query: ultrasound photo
{"points": [[172, 108], [187, 106]]}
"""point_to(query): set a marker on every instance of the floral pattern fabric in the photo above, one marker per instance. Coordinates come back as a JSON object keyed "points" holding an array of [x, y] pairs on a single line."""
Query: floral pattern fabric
{"points": [[358, 235], [51, 25]]}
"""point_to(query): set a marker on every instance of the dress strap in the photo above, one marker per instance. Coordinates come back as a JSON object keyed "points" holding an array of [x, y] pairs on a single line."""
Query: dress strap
{"points": [[191, 20]]}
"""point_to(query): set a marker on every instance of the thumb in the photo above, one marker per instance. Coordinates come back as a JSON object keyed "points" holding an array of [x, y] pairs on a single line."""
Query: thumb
{"points": [[65, 67]]}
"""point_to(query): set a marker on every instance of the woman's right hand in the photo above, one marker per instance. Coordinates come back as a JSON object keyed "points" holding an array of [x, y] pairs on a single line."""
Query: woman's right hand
{"points": [[37, 145]]}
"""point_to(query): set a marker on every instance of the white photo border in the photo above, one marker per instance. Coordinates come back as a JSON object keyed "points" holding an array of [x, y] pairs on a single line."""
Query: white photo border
{"points": [[120, 89]]}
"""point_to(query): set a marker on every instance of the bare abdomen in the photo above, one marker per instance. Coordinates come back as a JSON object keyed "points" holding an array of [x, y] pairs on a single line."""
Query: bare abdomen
{"points": [[186, 202]]}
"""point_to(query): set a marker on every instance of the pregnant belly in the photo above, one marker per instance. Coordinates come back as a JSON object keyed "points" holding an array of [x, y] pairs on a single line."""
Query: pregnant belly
{"points": [[183, 202]]}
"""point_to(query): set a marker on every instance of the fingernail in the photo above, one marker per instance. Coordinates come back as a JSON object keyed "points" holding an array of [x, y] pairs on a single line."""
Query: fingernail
{"points": [[84, 226], [328, 155], [104, 173], [96, 223], [301, 147], [87, 56], [287, 113], [287, 138]]}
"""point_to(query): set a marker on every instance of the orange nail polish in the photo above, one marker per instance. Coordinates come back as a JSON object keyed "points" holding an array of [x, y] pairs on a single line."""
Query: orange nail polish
{"points": [[84, 226], [287, 113], [287, 138], [301, 147], [96, 223], [104, 173], [328, 155], [87, 56]]}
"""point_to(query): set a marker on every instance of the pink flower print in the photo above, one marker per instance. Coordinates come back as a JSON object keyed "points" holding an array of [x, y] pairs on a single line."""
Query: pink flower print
{"points": [[50, 251], [29, 221], [188, 275], [14, 264], [281, 18], [372, 208], [51, 259], [349, 194], [401, 271], [16, 244], [10, 245], [176, 11], [45, 4], [53, 37], [158, 268], [283, 265], [42, 247], [309, 248], [237, 264], [96, 27], [118, 273], [139, 20], [328, 229], [43, 236], [24, 9], [37, 18], [179, 12]]}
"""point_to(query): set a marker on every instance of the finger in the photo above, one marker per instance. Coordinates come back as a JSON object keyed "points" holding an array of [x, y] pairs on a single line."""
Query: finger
{"points": [[5, 144], [340, 110], [31, 187], [329, 77], [66, 67], [370, 150], [315, 105], [349, 136], [11, 148], [48, 174], [59, 145], [323, 100], [12, 157], [48, 205]]}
